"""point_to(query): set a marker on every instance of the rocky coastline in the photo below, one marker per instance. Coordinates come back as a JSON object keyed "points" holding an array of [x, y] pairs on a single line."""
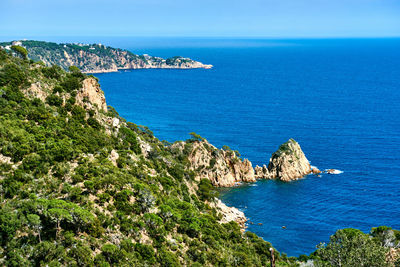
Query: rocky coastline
{"points": [[98, 58], [224, 168]]}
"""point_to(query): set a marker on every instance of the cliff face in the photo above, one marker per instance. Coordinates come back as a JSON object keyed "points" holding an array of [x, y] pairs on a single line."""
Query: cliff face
{"points": [[222, 167], [230, 214], [286, 164], [91, 94], [97, 58]]}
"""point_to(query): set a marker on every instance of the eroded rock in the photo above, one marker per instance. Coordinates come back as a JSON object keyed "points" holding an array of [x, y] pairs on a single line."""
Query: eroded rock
{"points": [[222, 167], [90, 94], [230, 214], [288, 163]]}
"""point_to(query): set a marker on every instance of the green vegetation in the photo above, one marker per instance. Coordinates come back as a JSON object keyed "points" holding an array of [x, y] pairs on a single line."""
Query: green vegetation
{"points": [[285, 148], [196, 137], [177, 60], [351, 247], [21, 51], [76, 191]]}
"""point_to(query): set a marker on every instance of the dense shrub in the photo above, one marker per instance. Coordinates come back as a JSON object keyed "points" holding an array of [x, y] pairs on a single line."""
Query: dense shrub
{"points": [[206, 190], [71, 83], [54, 100], [351, 247], [21, 51], [53, 72], [12, 75]]}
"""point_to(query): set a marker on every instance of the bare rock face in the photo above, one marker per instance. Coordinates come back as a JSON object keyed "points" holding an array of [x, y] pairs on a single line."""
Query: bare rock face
{"points": [[230, 214], [222, 167], [91, 94], [225, 169], [262, 172], [288, 163], [36, 90]]}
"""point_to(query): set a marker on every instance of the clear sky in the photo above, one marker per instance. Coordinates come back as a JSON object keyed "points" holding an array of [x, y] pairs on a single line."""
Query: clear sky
{"points": [[206, 18]]}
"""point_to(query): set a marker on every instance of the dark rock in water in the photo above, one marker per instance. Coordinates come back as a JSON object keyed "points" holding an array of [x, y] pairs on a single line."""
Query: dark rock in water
{"points": [[315, 171]]}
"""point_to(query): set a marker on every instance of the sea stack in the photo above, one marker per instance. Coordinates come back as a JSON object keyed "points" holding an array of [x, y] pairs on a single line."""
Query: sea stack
{"points": [[288, 163]]}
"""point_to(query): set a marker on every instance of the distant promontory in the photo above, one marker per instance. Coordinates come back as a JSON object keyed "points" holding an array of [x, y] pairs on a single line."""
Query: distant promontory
{"points": [[98, 58]]}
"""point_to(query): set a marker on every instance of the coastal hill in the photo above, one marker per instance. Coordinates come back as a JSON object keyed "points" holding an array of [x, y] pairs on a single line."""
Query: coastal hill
{"points": [[98, 58], [81, 186]]}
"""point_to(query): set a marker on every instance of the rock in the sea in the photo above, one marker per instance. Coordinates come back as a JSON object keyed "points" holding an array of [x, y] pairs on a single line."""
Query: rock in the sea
{"points": [[288, 163], [315, 170], [262, 172], [225, 169]]}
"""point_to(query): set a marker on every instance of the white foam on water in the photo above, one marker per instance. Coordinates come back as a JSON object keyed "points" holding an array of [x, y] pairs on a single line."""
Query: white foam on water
{"points": [[336, 172]]}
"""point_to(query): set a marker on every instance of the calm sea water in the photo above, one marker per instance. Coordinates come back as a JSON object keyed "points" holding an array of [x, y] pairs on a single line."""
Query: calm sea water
{"points": [[340, 99]]}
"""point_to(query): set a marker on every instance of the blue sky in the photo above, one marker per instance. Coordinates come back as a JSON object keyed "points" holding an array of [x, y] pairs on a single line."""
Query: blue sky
{"points": [[207, 18]]}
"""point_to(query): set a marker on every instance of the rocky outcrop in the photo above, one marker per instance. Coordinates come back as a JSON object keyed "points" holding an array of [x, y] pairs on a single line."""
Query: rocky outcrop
{"points": [[262, 172], [5, 159], [97, 58], [286, 164], [91, 95], [222, 167], [315, 170], [36, 90], [230, 214]]}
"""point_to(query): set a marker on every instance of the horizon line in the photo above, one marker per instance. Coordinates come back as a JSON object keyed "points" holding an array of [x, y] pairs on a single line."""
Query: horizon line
{"points": [[202, 36]]}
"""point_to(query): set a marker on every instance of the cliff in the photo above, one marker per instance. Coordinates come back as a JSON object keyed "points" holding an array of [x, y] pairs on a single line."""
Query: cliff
{"points": [[225, 169], [286, 164], [222, 167], [90, 95], [97, 58]]}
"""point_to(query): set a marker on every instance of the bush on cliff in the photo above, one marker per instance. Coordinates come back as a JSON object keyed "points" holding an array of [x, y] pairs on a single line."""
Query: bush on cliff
{"points": [[206, 190], [21, 51]]}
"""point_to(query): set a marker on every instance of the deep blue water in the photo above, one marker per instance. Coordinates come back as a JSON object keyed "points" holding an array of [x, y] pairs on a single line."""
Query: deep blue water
{"points": [[340, 99]]}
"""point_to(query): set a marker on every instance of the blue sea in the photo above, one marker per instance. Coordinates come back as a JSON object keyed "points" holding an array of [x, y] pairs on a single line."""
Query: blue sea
{"points": [[339, 98]]}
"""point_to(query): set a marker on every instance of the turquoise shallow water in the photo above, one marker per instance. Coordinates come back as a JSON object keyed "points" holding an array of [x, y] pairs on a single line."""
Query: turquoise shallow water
{"points": [[338, 98]]}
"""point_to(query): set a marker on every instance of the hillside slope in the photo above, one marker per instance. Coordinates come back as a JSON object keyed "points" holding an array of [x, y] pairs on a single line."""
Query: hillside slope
{"points": [[80, 186], [96, 58]]}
